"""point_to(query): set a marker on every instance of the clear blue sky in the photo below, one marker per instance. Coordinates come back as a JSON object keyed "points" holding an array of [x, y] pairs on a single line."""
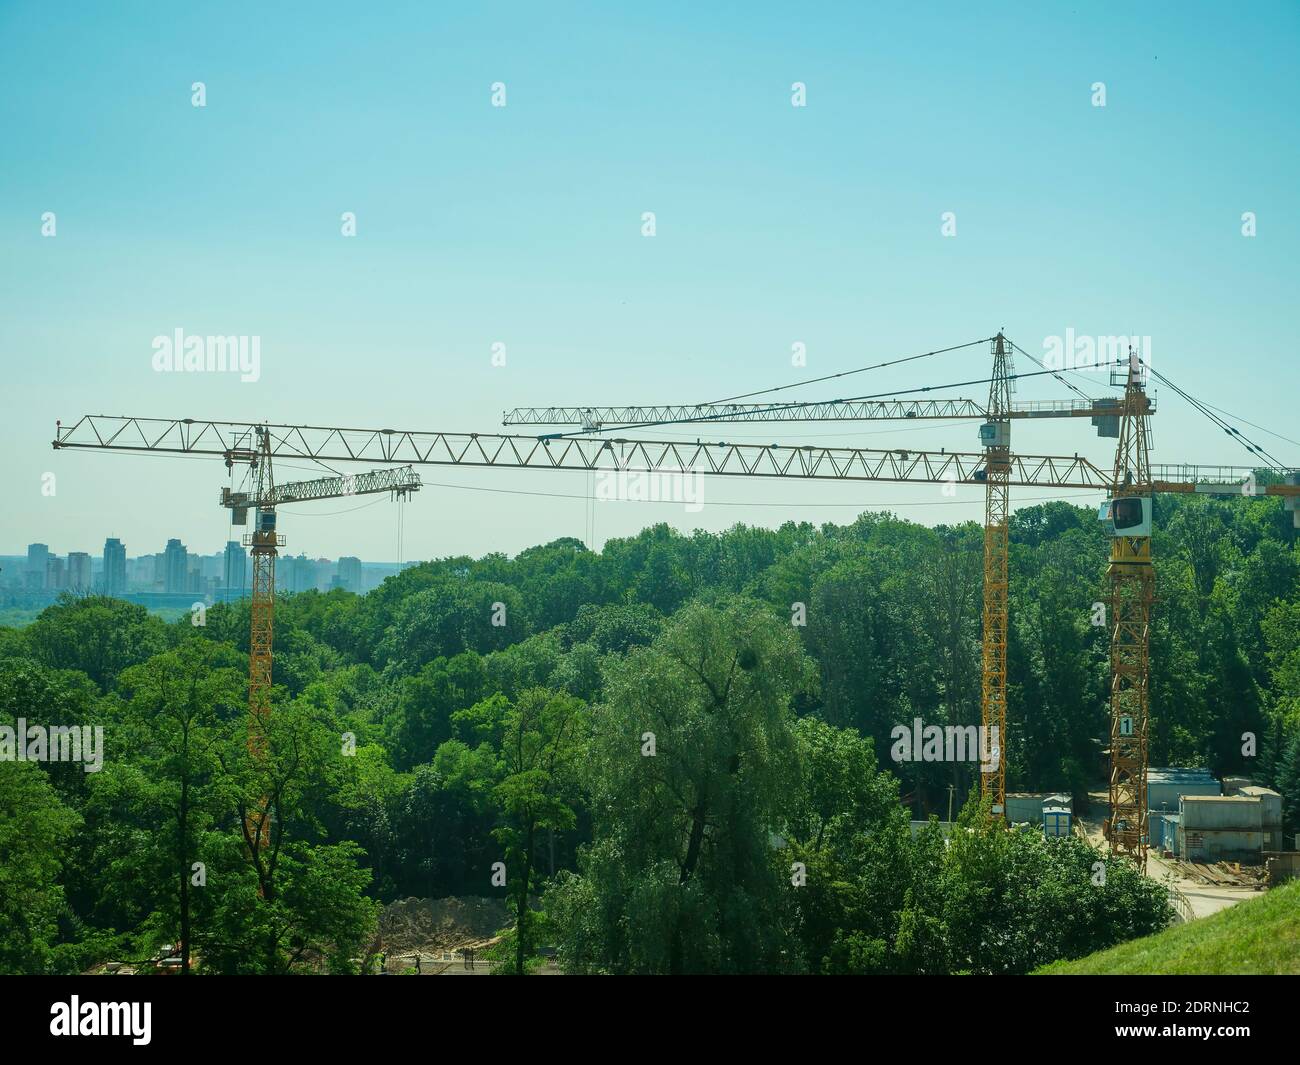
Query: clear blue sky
{"points": [[522, 225]]}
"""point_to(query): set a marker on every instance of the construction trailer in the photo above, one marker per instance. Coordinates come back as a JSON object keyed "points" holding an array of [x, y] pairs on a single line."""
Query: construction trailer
{"points": [[1217, 828], [1165, 789], [1166, 786], [1057, 821], [1271, 822], [1164, 833], [1026, 807], [1050, 811]]}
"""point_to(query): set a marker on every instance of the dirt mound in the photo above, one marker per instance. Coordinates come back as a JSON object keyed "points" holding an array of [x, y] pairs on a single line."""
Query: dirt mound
{"points": [[440, 924]]}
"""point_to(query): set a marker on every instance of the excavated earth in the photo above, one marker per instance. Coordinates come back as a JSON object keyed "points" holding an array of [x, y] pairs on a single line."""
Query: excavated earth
{"points": [[435, 925]]}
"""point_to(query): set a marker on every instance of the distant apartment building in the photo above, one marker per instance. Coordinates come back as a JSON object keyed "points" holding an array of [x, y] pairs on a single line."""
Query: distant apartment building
{"points": [[114, 580], [79, 572], [214, 566], [194, 575], [299, 574], [175, 568], [349, 576], [234, 570], [140, 573], [38, 560], [222, 575]]}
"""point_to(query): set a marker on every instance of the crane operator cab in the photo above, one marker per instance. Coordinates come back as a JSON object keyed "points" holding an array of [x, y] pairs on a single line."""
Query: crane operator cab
{"points": [[264, 537], [995, 438], [1128, 520]]}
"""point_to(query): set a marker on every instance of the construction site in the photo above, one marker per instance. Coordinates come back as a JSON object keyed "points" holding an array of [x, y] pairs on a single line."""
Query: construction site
{"points": [[581, 440], [669, 492], [1210, 843]]}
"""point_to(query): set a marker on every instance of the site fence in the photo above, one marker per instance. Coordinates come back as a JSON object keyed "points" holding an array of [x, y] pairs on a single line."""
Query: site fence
{"points": [[1182, 907]]}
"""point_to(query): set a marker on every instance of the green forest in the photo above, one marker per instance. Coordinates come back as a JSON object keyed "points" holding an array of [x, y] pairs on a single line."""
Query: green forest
{"points": [[668, 756]]}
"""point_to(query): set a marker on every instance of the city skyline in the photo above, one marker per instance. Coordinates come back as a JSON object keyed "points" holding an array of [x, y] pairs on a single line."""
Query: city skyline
{"points": [[21, 550], [176, 571]]}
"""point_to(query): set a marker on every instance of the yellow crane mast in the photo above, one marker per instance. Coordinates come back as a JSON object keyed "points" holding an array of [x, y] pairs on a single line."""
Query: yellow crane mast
{"points": [[263, 543], [996, 437], [1132, 582]]}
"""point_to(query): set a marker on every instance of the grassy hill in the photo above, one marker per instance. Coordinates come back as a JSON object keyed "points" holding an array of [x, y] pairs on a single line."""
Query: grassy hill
{"points": [[1260, 936]]}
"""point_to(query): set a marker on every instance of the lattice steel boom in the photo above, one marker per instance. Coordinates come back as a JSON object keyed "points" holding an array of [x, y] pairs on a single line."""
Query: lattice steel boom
{"points": [[837, 410], [333, 444], [902, 465]]}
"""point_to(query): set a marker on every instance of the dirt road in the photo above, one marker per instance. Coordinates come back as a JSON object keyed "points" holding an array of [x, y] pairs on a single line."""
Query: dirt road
{"points": [[1203, 899]]}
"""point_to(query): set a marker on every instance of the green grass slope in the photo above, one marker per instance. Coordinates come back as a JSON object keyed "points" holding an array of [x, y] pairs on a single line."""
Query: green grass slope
{"points": [[1259, 936]]}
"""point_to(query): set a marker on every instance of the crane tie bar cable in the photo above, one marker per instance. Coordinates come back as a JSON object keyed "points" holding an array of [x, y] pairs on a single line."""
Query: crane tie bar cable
{"points": [[794, 405], [849, 373]]}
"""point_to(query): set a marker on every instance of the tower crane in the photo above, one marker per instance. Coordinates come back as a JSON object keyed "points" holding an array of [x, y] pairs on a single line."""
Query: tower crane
{"points": [[1125, 483], [1130, 575], [995, 436], [252, 445], [264, 543]]}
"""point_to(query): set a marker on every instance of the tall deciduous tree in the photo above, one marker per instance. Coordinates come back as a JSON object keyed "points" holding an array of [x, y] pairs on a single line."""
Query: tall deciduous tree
{"points": [[539, 739], [692, 761], [180, 705], [34, 826]]}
